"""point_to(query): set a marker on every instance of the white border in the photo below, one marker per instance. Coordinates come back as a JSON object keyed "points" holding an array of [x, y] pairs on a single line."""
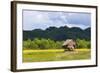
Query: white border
{"points": [[21, 65]]}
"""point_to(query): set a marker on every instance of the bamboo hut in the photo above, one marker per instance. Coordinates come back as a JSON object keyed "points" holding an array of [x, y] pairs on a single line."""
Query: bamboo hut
{"points": [[69, 44]]}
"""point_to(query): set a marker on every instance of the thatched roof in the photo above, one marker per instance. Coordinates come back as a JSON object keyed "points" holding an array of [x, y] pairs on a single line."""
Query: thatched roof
{"points": [[68, 41]]}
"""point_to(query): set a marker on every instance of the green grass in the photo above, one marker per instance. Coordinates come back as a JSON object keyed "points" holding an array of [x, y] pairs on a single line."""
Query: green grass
{"points": [[55, 55]]}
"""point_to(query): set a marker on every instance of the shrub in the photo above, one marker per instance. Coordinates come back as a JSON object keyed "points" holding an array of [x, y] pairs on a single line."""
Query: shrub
{"points": [[51, 44], [83, 43], [42, 44]]}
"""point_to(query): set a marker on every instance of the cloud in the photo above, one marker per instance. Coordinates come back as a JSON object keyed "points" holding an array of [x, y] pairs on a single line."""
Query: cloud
{"points": [[44, 19]]}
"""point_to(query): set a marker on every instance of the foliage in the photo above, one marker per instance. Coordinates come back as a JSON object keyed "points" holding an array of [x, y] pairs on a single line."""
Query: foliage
{"points": [[42, 44], [51, 44], [30, 45], [83, 43], [58, 34]]}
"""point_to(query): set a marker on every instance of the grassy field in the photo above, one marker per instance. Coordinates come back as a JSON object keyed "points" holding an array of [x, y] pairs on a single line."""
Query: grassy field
{"points": [[55, 55]]}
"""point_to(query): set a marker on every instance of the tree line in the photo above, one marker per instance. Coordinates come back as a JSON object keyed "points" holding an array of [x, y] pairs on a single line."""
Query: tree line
{"points": [[58, 34], [51, 44]]}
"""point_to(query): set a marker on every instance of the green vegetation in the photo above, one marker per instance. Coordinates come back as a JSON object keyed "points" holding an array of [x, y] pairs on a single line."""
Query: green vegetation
{"points": [[50, 44], [40, 50], [83, 44], [58, 34], [55, 55], [42, 44], [46, 45]]}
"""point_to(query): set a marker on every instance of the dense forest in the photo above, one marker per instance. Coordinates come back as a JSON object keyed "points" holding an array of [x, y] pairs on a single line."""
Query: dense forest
{"points": [[53, 37], [58, 34]]}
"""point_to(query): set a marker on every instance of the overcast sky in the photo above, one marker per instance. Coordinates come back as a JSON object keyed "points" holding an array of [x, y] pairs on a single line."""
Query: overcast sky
{"points": [[44, 19]]}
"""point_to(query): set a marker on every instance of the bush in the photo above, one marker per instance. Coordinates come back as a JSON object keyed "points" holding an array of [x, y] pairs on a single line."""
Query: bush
{"points": [[30, 44], [51, 44], [83, 43], [42, 44]]}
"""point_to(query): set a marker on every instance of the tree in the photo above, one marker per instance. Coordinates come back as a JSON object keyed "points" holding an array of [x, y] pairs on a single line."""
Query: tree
{"points": [[83, 43], [58, 34]]}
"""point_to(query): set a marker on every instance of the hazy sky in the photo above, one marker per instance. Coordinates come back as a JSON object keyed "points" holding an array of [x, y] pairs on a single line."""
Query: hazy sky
{"points": [[44, 19]]}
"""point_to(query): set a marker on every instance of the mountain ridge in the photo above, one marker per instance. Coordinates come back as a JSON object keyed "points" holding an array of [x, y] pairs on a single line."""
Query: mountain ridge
{"points": [[58, 34]]}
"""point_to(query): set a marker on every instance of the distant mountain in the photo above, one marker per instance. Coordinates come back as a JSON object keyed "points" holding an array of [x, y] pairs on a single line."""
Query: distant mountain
{"points": [[58, 34]]}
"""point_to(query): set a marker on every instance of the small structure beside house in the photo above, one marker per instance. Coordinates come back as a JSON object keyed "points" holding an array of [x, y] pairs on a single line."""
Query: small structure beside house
{"points": [[69, 45]]}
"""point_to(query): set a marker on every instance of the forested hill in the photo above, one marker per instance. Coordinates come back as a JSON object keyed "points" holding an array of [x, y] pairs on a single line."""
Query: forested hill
{"points": [[58, 34]]}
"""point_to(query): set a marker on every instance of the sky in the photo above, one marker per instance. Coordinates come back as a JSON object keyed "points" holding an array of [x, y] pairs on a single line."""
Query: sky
{"points": [[33, 19]]}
